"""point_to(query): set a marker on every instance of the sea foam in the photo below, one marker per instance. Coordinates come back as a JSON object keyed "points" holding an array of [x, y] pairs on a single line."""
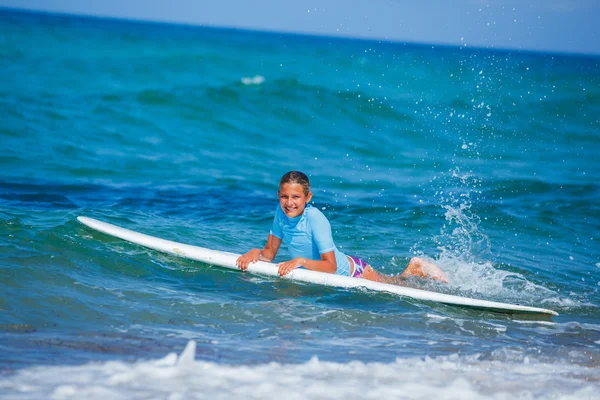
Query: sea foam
{"points": [[179, 377], [255, 80]]}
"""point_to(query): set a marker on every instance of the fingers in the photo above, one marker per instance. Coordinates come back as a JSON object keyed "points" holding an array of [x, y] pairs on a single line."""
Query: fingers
{"points": [[287, 267], [241, 263], [282, 270], [244, 261]]}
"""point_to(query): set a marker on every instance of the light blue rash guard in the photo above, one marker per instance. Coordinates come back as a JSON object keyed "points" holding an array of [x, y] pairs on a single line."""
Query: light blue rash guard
{"points": [[308, 235]]}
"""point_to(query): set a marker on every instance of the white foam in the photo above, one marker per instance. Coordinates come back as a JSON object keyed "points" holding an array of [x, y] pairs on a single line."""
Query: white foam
{"points": [[255, 80], [173, 377]]}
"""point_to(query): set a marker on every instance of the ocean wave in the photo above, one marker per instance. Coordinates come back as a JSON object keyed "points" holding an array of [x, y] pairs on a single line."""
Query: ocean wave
{"points": [[540, 189], [509, 374], [277, 98]]}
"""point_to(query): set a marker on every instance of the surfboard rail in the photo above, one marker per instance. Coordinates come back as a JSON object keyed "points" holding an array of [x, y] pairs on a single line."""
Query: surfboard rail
{"points": [[228, 260]]}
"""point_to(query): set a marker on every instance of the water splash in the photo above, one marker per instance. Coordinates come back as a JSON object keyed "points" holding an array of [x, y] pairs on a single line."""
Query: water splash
{"points": [[465, 248], [460, 236]]}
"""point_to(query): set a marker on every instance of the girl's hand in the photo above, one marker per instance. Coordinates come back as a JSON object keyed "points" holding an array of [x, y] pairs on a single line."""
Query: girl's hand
{"points": [[288, 266], [250, 257]]}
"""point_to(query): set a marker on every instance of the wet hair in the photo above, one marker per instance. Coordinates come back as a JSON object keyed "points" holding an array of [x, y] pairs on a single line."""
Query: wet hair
{"points": [[296, 177]]}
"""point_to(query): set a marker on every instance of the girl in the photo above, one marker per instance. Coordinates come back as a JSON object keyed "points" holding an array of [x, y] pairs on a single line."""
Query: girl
{"points": [[307, 233]]}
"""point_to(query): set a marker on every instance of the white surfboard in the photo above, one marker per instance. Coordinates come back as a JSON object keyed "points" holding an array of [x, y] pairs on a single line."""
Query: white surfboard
{"points": [[227, 260]]}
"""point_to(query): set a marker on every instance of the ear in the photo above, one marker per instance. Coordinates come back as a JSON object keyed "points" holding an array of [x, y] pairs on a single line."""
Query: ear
{"points": [[308, 197]]}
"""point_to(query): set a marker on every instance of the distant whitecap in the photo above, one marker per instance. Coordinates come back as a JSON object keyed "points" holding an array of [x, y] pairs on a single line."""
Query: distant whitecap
{"points": [[255, 80]]}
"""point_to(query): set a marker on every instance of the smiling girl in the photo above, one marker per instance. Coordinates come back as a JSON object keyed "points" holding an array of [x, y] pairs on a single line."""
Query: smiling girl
{"points": [[307, 233]]}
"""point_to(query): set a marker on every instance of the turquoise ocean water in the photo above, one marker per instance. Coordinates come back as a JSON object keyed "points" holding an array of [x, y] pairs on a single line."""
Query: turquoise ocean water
{"points": [[484, 161]]}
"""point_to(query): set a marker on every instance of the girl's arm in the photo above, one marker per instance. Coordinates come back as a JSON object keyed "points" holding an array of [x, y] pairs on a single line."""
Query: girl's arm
{"points": [[327, 263], [266, 254]]}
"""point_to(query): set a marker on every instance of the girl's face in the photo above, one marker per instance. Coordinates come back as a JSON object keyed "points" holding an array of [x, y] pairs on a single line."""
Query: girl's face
{"points": [[292, 199]]}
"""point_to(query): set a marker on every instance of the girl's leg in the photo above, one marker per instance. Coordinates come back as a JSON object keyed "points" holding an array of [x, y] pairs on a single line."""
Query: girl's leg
{"points": [[423, 269], [372, 275], [416, 267], [360, 269]]}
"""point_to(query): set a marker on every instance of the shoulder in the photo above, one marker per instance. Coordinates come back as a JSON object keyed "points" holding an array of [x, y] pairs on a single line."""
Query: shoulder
{"points": [[315, 216]]}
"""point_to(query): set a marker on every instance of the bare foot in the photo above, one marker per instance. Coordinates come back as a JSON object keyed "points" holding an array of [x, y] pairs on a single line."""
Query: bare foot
{"points": [[423, 269]]}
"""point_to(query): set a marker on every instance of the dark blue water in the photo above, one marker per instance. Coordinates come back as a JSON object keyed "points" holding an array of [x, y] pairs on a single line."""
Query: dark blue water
{"points": [[484, 161]]}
